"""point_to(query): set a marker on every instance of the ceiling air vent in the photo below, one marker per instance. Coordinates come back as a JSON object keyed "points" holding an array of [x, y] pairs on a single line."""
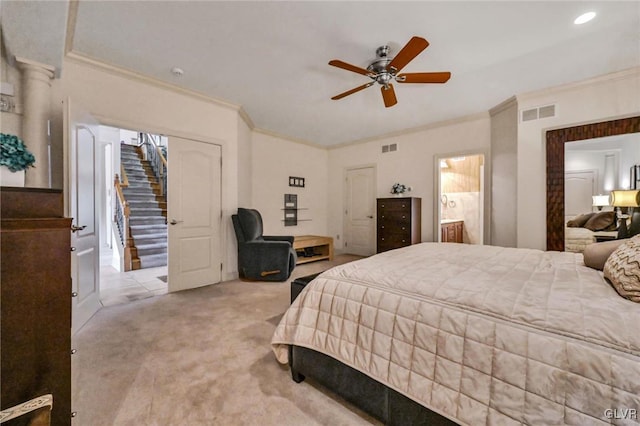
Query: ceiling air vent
{"points": [[538, 113]]}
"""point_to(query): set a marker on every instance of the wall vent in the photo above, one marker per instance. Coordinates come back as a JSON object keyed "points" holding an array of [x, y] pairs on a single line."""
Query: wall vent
{"points": [[389, 148], [538, 113], [547, 111], [530, 114]]}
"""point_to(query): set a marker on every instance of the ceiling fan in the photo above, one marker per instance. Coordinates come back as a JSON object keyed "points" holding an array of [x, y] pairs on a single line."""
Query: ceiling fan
{"points": [[384, 69]]}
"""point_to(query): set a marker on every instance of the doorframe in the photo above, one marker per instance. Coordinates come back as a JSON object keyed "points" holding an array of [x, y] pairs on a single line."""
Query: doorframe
{"points": [[345, 199], [485, 186], [228, 259]]}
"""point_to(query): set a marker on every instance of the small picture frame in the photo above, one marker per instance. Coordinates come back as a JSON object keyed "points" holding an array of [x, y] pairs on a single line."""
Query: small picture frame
{"points": [[297, 182]]}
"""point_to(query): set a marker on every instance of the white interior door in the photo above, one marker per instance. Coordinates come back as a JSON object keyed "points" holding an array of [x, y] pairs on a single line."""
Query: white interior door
{"points": [[578, 189], [359, 212], [194, 214], [81, 142]]}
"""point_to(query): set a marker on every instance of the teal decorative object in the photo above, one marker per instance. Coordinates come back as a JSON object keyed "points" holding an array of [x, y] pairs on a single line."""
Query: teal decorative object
{"points": [[14, 154]]}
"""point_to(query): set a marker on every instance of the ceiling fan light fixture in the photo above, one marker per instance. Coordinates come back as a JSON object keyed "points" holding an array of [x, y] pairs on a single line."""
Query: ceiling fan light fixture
{"points": [[584, 18], [383, 70]]}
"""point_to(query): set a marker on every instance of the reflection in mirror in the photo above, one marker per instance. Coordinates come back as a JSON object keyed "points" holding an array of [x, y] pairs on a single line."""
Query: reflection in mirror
{"points": [[593, 168]]}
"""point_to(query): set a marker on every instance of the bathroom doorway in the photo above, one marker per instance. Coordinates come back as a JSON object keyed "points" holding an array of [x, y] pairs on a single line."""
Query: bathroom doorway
{"points": [[460, 202]]}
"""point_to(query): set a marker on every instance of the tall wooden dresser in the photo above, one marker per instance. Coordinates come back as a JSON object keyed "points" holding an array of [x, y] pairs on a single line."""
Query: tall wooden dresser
{"points": [[35, 323], [398, 222]]}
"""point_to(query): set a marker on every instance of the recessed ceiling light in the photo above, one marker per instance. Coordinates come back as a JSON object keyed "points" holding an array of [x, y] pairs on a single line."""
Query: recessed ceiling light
{"points": [[177, 71], [584, 18]]}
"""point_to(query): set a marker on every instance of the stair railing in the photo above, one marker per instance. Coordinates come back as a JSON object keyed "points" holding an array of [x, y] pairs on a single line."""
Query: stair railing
{"points": [[122, 214], [157, 158]]}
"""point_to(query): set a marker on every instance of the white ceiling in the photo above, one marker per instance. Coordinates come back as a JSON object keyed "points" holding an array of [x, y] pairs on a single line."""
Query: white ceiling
{"points": [[271, 57]]}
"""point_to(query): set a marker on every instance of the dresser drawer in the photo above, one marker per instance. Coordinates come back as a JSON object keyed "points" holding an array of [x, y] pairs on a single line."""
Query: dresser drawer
{"points": [[395, 205], [396, 239]]}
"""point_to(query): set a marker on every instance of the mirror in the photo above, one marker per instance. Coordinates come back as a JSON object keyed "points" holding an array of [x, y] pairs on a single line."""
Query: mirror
{"points": [[555, 153], [595, 167]]}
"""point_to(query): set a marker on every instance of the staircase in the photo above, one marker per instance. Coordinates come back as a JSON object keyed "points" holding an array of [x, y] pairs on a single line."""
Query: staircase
{"points": [[147, 235]]}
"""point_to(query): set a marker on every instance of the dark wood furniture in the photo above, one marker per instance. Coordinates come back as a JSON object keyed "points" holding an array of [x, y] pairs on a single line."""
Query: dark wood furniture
{"points": [[371, 396], [35, 324], [452, 232], [398, 222]]}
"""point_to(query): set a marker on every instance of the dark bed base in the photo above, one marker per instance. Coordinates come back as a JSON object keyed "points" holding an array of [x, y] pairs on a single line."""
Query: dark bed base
{"points": [[370, 396]]}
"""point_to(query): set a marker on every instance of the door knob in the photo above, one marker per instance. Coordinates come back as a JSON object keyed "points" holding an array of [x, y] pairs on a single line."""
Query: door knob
{"points": [[370, 217], [77, 228], [175, 222]]}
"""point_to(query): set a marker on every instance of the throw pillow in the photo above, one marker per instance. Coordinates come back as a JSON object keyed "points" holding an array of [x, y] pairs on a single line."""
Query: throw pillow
{"points": [[580, 220], [596, 255], [622, 269], [600, 221]]}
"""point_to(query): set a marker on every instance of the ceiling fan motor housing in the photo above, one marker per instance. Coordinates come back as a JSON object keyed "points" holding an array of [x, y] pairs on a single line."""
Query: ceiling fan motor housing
{"points": [[379, 66]]}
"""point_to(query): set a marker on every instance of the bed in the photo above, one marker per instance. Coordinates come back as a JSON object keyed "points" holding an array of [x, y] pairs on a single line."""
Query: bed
{"points": [[581, 230], [577, 239], [476, 334]]}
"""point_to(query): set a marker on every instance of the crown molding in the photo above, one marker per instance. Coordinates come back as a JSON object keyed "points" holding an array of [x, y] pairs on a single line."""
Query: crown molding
{"points": [[133, 75], [412, 130], [290, 139], [506, 104], [245, 117], [633, 72]]}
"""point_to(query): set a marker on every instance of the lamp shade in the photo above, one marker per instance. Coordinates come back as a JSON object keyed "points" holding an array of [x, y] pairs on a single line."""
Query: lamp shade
{"points": [[628, 198], [600, 200]]}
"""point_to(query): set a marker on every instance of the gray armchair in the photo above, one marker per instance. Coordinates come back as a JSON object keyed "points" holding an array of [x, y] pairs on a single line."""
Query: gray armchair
{"points": [[261, 257]]}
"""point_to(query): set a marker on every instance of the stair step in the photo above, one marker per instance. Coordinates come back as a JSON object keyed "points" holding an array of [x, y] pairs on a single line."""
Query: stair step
{"points": [[153, 260], [137, 230], [145, 211], [138, 204], [145, 196], [155, 248], [147, 220]]}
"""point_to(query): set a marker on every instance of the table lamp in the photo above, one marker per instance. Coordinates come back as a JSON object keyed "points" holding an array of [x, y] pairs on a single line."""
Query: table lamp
{"points": [[622, 200], [600, 201]]}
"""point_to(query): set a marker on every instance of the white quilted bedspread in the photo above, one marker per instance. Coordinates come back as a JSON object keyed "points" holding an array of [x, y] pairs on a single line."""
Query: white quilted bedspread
{"points": [[480, 334]]}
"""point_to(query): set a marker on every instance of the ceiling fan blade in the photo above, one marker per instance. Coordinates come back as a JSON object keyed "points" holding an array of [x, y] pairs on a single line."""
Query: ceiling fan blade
{"points": [[349, 67], [424, 77], [408, 52], [389, 95], [352, 91]]}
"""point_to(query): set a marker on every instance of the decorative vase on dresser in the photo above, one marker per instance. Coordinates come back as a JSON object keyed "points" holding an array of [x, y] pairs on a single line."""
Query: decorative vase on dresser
{"points": [[398, 222]]}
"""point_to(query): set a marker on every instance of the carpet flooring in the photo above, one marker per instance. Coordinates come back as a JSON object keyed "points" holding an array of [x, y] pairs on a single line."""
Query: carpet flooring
{"points": [[198, 357]]}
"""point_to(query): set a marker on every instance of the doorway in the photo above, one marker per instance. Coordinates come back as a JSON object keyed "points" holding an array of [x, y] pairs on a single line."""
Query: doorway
{"points": [[460, 198], [359, 221], [116, 285]]}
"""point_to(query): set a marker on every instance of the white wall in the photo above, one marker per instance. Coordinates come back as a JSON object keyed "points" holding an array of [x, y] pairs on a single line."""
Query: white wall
{"points": [[504, 160], [604, 98], [412, 164], [245, 164], [274, 160], [128, 101]]}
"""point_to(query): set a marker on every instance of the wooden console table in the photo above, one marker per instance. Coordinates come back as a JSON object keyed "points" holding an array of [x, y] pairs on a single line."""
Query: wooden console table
{"points": [[321, 247]]}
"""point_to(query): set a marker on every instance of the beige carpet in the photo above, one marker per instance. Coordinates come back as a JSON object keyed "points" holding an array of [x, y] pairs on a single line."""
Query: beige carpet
{"points": [[198, 357]]}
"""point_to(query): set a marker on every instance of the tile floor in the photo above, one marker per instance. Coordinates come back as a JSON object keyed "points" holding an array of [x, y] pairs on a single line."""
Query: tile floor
{"points": [[123, 287]]}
